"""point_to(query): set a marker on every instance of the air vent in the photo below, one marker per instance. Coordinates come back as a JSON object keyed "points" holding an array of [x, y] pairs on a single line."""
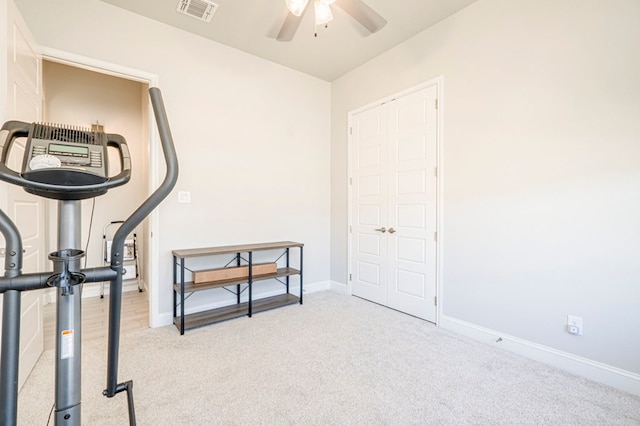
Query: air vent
{"points": [[199, 9]]}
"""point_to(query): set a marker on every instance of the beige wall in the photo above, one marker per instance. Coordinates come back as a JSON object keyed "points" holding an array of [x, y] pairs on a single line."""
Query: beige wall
{"points": [[252, 137], [541, 177]]}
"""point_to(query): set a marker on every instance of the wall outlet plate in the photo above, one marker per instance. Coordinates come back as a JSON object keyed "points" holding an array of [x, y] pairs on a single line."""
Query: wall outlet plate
{"points": [[574, 325]]}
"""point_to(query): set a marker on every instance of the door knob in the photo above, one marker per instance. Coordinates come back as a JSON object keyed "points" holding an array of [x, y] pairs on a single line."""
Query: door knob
{"points": [[391, 230], [383, 229]]}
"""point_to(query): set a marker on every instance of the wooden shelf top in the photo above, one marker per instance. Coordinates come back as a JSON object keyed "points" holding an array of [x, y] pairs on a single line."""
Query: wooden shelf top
{"points": [[242, 248]]}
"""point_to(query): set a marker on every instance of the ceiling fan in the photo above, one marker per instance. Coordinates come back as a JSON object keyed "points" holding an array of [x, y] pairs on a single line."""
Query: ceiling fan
{"points": [[358, 10]]}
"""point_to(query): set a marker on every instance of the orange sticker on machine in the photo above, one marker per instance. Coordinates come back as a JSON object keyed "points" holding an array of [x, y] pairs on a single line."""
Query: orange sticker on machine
{"points": [[66, 344]]}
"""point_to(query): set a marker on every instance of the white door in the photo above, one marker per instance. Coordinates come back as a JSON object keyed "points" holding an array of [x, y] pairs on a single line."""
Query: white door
{"points": [[394, 208], [370, 136], [27, 211]]}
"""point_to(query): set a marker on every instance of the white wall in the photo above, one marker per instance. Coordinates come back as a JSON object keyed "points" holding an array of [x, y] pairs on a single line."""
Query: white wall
{"points": [[252, 137], [541, 179]]}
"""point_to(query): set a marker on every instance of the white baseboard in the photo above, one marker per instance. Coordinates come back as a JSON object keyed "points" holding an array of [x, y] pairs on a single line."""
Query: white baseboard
{"points": [[592, 370], [164, 319], [93, 289], [340, 287], [319, 286]]}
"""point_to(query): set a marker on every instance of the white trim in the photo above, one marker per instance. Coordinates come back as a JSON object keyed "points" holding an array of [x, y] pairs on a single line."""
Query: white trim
{"points": [[97, 65], [316, 287], [439, 200], [592, 370], [152, 80], [93, 289], [340, 287], [439, 83]]}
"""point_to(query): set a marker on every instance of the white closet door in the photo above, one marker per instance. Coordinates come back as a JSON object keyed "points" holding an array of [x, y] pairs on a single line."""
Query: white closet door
{"points": [[393, 220], [24, 72], [412, 204], [370, 140]]}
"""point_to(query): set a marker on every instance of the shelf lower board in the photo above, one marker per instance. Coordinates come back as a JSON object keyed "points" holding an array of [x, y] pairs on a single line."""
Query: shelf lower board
{"points": [[225, 313], [261, 305]]}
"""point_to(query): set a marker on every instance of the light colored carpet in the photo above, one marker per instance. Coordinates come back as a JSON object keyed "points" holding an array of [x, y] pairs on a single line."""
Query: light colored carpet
{"points": [[334, 360]]}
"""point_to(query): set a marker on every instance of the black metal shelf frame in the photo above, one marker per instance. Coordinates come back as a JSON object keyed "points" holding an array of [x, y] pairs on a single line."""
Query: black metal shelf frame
{"points": [[183, 290]]}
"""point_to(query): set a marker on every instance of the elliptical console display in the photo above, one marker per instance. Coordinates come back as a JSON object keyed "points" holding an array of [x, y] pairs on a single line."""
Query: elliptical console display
{"points": [[65, 162]]}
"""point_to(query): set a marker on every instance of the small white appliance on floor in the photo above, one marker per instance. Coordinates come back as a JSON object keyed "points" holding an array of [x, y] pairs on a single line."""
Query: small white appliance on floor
{"points": [[130, 254]]}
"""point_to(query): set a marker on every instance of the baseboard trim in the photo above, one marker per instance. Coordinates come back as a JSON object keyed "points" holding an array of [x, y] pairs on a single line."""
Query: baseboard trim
{"points": [[315, 287], [93, 290], [340, 287], [592, 370]]}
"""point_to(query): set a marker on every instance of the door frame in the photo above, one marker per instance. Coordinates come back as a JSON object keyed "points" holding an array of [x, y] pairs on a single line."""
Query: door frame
{"points": [[115, 70], [439, 83]]}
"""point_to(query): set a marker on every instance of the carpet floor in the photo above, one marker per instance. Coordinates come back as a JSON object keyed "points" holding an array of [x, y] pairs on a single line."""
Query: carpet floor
{"points": [[334, 360]]}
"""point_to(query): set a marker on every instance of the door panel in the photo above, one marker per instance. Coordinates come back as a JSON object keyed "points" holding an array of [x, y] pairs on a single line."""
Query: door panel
{"points": [[410, 283], [411, 182], [370, 211], [412, 204], [394, 187], [23, 105], [27, 211]]}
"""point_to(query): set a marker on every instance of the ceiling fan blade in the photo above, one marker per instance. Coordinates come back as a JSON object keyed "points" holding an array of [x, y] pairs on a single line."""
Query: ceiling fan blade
{"points": [[290, 25], [361, 12]]}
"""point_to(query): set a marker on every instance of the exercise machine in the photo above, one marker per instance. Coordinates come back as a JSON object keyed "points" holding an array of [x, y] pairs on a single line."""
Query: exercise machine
{"points": [[68, 164]]}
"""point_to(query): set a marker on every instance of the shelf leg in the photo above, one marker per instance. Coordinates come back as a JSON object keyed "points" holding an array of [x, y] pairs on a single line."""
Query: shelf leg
{"points": [[182, 296], [301, 275], [175, 281], [249, 303], [287, 279], [238, 286]]}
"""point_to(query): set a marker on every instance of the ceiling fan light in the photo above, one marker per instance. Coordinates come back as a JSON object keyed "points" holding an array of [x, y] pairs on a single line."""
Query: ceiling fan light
{"points": [[296, 6], [323, 12]]}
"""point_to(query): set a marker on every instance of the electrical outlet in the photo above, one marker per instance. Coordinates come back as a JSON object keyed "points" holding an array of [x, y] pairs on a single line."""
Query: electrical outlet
{"points": [[574, 325]]}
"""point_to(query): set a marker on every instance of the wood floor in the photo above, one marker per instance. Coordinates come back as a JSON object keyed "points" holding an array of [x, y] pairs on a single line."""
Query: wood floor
{"points": [[95, 317]]}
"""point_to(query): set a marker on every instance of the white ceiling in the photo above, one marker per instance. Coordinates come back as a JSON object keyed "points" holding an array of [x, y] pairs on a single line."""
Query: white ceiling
{"points": [[251, 26]]}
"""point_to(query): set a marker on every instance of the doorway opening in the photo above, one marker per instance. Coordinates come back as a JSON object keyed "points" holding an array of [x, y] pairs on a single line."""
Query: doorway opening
{"points": [[86, 93]]}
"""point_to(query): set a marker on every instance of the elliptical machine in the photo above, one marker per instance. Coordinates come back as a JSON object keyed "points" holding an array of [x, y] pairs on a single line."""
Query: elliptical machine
{"points": [[69, 165]]}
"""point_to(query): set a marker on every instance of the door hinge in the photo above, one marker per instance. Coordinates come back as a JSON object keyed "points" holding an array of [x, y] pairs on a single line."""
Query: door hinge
{"points": [[435, 236], [435, 171], [350, 277], [351, 130], [435, 300], [350, 181], [436, 103], [350, 229]]}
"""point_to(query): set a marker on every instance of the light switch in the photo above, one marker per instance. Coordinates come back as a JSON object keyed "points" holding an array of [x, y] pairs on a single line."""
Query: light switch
{"points": [[184, 196]]}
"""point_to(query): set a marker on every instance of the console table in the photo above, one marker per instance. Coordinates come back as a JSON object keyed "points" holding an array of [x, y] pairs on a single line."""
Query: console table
{"points": [[242, 256]]}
